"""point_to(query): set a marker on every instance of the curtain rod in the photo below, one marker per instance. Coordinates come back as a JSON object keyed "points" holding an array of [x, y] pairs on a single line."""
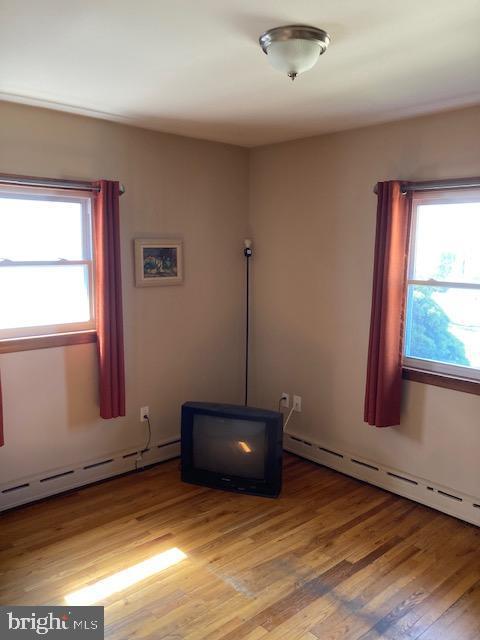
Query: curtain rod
{"points": [[55, 183], [436, 185]]}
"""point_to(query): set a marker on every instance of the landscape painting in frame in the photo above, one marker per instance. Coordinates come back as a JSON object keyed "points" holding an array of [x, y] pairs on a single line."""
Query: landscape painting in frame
{"points": [[158, 262]]}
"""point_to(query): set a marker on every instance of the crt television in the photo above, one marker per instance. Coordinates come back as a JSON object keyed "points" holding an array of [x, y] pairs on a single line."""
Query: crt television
{"points": [[232, 447]]}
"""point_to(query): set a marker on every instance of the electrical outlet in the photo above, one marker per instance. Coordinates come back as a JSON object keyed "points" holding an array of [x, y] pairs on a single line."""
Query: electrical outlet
{"points": [[297, 403], [285, 400], [144, 411]]}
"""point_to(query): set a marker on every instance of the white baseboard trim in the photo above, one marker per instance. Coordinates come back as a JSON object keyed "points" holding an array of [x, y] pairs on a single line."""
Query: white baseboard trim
{"points": [[53, 481], [432, 494]]}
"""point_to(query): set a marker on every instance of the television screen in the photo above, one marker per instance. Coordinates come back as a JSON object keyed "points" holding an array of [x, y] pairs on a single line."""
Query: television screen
{"points": [[227, 445], [232, 447]]}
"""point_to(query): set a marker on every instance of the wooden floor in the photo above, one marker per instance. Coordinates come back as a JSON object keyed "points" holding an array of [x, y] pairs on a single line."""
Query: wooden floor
{"points": [[332, 559]]}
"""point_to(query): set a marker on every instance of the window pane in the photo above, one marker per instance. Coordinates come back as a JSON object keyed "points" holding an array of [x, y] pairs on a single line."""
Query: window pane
{"points": [[446, 242], [40, 229], [35, 296], [443, 324]]}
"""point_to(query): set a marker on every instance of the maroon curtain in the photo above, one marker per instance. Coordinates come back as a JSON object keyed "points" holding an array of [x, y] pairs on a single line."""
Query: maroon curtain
{"points": [[108, 300], [2, 440], [384, 373]]}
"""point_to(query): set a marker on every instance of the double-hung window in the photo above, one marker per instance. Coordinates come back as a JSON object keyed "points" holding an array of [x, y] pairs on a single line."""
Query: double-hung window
{"points": [[46, 262], [442, 328]]}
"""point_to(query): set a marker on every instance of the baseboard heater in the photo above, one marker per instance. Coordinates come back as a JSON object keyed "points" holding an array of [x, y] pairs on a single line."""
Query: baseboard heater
{"points": [[53, 481], [421, 490], [445, 499]]}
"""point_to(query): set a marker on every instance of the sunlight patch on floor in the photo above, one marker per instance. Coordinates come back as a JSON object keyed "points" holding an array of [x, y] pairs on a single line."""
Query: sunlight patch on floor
{"points": [[125, 578]]}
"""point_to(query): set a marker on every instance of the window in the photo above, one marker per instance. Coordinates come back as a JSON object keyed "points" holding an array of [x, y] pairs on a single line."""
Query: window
{"points": [[442, 328], [46, 262]]}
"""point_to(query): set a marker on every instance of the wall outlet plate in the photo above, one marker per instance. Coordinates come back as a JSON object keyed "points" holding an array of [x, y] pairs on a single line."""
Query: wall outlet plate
{"points": [[297, 403], [285, 400], [144, 411]]}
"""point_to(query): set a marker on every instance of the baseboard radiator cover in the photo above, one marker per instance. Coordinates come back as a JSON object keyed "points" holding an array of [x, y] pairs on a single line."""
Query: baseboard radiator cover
{"points": [[54, 481], [433, 495]]}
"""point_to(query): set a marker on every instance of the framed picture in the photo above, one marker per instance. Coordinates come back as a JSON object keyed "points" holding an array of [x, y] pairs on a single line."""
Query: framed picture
{"points": [[158, 261]]}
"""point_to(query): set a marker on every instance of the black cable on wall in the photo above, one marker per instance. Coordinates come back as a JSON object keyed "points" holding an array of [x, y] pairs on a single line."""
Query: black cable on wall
{"points": [[248, 254]]}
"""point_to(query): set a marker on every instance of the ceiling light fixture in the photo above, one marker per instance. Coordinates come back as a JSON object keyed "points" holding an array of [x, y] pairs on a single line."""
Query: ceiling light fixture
{"points": [[294, 48]]}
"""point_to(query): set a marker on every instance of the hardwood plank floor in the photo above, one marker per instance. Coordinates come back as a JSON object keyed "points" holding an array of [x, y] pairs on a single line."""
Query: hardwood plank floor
{"points": [[331, 559]]}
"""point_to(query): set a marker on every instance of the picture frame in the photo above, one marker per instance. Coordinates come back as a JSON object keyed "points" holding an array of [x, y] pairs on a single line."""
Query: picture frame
{"points": [[158, 262]]}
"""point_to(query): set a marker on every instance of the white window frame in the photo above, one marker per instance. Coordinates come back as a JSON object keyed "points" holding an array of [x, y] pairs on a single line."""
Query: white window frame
{"points": [[419, 198], [84, 198]]}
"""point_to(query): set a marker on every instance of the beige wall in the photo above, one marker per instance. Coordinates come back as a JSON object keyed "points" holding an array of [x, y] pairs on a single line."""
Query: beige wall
{"points": [[182, 342], [312, 217]]}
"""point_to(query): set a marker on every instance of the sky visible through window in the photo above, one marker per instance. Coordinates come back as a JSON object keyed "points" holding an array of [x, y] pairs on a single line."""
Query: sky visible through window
{"points": [[36, 295]]}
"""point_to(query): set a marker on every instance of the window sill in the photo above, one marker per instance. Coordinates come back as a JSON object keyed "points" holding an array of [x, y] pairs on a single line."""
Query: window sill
{"points": [[440, 380], [11, 345]]}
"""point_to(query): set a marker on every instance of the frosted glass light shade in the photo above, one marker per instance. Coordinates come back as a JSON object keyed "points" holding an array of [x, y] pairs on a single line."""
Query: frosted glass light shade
{"points": [[293, 56], [294, 48]]}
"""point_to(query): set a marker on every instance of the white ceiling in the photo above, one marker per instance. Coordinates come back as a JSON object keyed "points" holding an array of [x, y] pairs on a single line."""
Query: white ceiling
{"points": [[194, 67]]}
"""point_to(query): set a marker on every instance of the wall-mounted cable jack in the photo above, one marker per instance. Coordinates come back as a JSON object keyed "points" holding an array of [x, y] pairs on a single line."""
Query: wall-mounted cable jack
{"points": [[297, 403]]}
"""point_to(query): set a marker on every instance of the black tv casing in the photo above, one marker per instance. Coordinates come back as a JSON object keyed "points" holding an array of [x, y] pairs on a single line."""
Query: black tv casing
{"points": [[271, 485]]}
